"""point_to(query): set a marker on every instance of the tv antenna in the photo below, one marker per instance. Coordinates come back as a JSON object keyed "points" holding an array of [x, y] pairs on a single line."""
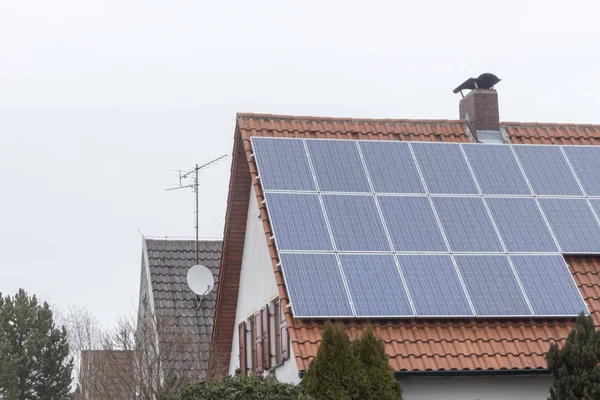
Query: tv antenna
{"points": [[193, 173]]}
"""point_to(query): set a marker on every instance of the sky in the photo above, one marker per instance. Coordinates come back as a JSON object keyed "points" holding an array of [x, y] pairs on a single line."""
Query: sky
{"points": [[101, 102]]}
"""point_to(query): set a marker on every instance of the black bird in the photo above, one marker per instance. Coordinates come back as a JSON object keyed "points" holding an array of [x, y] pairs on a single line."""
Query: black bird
{"points": [[485, 81]]}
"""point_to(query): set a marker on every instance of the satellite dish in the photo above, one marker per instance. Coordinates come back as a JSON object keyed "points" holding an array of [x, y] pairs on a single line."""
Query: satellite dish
{"points": [[200, 280]]}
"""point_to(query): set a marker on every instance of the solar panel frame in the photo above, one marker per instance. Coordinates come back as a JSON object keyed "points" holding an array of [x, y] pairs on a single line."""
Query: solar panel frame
{"points": [[586, 166], [547, 170], [428, 276], [496, 169], [391, 167], [483, 275], [467, 227], [544, 275], [338, 166], [366, 234], [444, 168], [521, 225], [574, 224], [375, 232], [424, 235], [306, 277], [298, 222], [287, 168], [379, 291]]}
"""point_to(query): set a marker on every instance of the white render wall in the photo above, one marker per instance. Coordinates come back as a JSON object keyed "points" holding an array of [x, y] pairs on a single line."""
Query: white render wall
{"points": [[477, 388], [257, 288]]}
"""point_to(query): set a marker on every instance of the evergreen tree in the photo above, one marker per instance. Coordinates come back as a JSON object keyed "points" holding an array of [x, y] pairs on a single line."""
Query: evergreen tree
{"points": [[381, 383], [335, 373], [575, 367], [34, 354]]}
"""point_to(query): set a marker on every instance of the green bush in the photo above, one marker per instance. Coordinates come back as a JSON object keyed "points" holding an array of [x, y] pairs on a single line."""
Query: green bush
{"points": [[350, 371], [381, 383], [242, 387], [575, 367]]}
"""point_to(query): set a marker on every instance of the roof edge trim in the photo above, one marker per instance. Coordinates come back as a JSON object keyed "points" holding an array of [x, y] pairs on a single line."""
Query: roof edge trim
{"points": [[472, 372]]}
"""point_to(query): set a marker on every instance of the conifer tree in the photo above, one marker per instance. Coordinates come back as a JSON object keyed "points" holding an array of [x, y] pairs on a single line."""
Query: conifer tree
{"points": [[34, 362], [381, 383], [575, 366], [335, 373]]}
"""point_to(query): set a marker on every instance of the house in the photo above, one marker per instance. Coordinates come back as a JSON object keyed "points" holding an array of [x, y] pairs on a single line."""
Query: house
{"points": [[178, 336], [451, 358], [106, 375]]}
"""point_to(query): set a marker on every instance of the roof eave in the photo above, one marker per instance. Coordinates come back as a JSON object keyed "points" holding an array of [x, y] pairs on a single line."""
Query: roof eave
{"points": [[472, 372]]}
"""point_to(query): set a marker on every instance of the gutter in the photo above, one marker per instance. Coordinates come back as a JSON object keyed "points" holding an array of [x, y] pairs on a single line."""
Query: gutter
{"points": [[465, 373], [471, 372]]}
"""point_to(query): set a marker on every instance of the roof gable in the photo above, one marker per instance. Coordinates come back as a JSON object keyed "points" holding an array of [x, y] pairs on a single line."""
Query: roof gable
{"points": [[174, 303]]}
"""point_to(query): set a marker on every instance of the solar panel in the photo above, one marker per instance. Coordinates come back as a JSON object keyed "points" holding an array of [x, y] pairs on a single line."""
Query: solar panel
{"points": [[586, 163], [573, 224], [411, 224], [521, 225], [282, 164], [298, 222], [548, 284], [375, 285], [444, 168], [391, 167], [492, 286], [467, 225], [496, 169], [355, 223], [338, 166], [595, 205], [315, 285], [434, 286], [547, 170]]}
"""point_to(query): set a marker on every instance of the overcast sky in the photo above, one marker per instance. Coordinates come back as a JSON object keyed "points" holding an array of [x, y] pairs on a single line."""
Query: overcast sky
{"points": [[100, 100]]}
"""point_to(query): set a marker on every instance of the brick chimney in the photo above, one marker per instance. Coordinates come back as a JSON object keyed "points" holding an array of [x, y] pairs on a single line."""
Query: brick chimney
{"points": [[481, 107]]}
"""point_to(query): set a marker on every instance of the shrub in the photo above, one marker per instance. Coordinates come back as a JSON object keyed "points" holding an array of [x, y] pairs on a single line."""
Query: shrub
{"points": [[240, 387], [335, 373], [381, 383], [575, 367], [351, 371]]}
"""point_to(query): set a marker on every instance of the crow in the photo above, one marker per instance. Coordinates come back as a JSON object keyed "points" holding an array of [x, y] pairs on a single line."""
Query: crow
{"points": [[485, 81]]}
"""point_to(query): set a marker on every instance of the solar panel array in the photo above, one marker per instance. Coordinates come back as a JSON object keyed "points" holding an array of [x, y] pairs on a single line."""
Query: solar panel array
{"points": [[412, 229]]}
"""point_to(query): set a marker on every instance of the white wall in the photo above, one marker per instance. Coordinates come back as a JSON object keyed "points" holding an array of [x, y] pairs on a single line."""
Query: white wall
{"points": [[477, 388], [257, 288], [288, 372]]}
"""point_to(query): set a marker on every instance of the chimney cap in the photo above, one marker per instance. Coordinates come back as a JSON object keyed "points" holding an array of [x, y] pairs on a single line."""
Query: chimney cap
{"points": [[484, 81]]}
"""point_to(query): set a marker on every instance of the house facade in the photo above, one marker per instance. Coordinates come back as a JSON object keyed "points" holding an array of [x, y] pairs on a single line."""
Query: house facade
{"points": [[449, 358]]}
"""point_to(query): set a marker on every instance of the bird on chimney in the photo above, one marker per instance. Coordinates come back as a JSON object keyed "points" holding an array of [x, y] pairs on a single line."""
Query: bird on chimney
{"points": [[484, 81]]}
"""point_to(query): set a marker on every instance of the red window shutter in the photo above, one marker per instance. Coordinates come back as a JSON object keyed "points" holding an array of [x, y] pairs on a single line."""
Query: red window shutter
{"points": [[242, 347], [258, 366], [285, 340], [266, 337], [277, 318]]}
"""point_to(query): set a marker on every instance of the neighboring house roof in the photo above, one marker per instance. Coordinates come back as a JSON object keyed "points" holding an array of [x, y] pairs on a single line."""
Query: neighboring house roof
{"points": [[106, 374], [175, 305], [412, 344]]}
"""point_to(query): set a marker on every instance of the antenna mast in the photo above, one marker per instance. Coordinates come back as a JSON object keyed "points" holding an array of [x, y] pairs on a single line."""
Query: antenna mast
{"points": [[194, 187]]}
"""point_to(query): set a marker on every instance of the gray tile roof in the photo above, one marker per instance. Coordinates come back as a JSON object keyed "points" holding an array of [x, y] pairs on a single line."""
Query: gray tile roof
{"points": [[174, 302]]}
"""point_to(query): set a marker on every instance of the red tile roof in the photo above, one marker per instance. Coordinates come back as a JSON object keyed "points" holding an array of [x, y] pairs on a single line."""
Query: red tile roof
{"points": [[415, 344]]}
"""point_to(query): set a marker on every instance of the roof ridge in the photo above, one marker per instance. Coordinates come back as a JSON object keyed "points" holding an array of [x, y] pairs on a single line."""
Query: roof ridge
{"points": [[550, 124], [340, 119], [179, 239]]}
